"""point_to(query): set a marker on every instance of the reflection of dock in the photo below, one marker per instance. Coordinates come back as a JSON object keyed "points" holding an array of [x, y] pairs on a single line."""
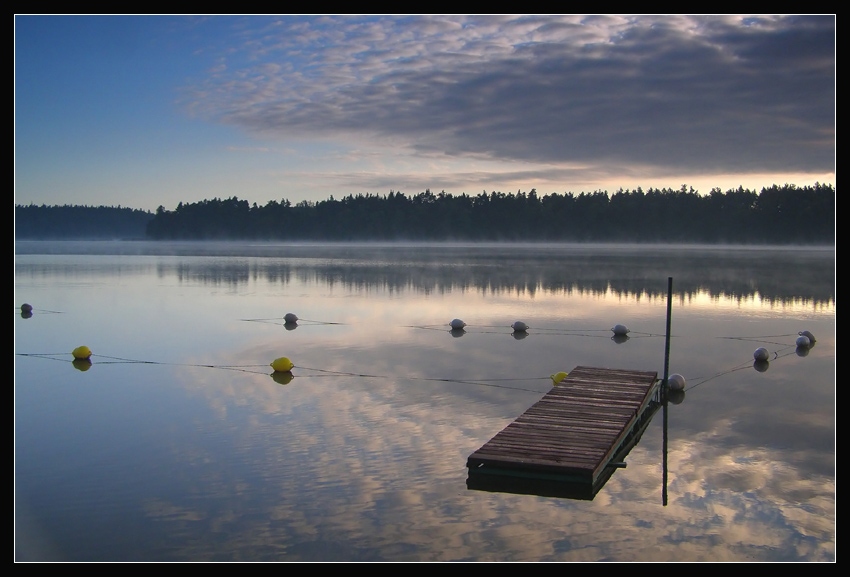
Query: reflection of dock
{"points": [[569, 442]]}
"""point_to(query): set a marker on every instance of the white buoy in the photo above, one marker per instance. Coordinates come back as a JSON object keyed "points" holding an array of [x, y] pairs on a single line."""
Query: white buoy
{"points": [[803, 342], [290, 318], [519, 327], [457, 324], [808, 335], [676, 382], [761, 354], [620, 330]]}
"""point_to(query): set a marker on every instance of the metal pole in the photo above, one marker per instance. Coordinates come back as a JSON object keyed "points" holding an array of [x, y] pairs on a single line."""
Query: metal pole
{"points": [[667, 343], [664, 389]]}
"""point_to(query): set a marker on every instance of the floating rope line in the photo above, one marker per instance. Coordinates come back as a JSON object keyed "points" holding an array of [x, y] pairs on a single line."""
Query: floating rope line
{"points": [[327, 373], [744, 365], [471, 329], [490, 382], [793, 352], [240, 368], [123, 361], [641, 334], [465, 330], [759, 355], [760, 339], [569, 332], [607, 332], [747, 365], [48, 356], [281, 321]]}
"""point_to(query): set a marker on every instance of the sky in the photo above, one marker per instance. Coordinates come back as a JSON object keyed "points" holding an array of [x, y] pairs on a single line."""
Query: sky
{"points": [[148, 111]]}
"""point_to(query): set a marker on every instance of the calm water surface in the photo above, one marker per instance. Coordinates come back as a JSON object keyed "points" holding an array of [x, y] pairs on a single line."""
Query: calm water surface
{"points": [[178, 443]]}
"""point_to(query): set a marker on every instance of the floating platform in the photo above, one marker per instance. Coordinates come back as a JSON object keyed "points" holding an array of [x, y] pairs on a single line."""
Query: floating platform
{"points": [[573, 438]]}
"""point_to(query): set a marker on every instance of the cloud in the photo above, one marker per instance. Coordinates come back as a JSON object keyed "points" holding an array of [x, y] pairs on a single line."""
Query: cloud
{"points": [[677, 93]]}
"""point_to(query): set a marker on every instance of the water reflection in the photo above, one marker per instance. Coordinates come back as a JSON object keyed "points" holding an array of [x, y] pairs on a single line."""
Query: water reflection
{"points": [[804, 275], [637, 277], [176, 444], [282, 378], [761, 365]]}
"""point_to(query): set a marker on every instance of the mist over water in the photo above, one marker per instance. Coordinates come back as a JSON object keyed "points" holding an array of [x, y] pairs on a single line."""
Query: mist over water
{"points": [[179, 443]]}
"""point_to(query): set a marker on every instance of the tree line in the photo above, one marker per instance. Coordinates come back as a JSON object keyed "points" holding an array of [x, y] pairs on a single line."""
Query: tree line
{"points": [[776, 215], [83, 222]]}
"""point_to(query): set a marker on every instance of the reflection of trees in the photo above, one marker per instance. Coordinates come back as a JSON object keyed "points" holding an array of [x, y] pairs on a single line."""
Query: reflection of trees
{"points": [[233, 274], [773, 275], [781, 275]]}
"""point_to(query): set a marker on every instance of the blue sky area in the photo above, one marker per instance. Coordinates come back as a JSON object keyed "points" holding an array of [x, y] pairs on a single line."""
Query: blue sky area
{"points": [[143, 111]]}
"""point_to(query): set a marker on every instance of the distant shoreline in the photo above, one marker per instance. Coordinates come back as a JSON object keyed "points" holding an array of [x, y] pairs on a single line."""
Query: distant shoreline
{"points": [[258, 248], [778, 215]]}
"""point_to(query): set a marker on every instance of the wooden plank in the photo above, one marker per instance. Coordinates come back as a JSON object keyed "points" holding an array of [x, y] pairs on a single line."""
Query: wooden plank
{"points": [[575, 428]]}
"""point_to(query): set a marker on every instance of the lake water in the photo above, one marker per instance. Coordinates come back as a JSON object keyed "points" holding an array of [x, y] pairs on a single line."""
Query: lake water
{"points": [[179, 443]]}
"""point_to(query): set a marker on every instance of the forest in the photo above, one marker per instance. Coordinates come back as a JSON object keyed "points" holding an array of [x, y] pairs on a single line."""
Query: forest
{"points": [[80, 222], [776, 215]]}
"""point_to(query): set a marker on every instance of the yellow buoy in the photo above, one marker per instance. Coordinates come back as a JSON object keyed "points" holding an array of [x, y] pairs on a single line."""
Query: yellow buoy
{"points": [[283, 365], [558, 377], [82, 352]]}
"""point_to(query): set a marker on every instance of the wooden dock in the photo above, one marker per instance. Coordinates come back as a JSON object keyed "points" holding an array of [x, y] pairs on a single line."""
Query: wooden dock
{"points": [[573, 433]]}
